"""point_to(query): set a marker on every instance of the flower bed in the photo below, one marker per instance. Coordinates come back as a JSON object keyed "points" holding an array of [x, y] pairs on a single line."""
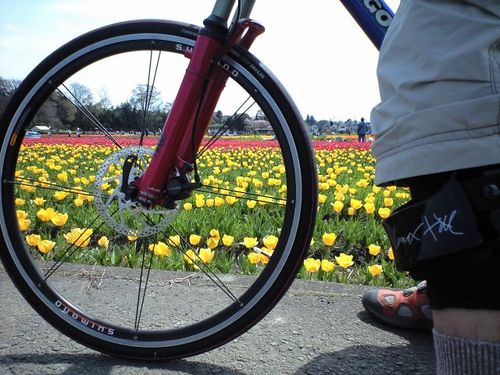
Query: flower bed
{"points": [[349, 244]]}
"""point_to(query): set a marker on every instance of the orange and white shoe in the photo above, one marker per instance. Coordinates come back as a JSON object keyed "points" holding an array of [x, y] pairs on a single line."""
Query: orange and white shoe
{"points": [[407, 309]]}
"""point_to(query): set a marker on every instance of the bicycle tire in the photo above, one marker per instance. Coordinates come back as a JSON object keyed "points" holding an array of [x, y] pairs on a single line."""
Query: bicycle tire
{"points": [[25, 265]]}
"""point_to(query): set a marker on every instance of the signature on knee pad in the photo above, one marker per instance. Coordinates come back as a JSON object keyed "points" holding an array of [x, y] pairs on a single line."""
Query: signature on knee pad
{"points": [[433, 227]]}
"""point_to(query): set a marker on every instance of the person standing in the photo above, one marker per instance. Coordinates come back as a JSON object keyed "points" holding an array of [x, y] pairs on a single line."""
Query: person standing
{"points": [[362, 129]]}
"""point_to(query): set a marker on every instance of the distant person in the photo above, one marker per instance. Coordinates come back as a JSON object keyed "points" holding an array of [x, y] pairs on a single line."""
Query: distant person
{"points": [[78, 132], [362, 129]]}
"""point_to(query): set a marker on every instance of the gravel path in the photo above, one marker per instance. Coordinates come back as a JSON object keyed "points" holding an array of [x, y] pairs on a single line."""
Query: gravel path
{"points": [[317, 328]]}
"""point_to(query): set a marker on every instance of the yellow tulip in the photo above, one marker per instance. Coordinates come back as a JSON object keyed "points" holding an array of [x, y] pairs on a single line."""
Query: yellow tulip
{"points": [[24, 224], [327, 265], [45, 214], [344, 260], [194, 239], [103, 242], [206, 255], [218, 201], [187, 206], [174, 240], [212, 242], [251, 204], [59, 219], [375, 270], [374, 249], [263, 259], [63, 176], [33, 239], [254, 258], [28, 188], [321, 198], [329, 238], [78, 202], [209, 202], [21, 215], [79, 237], [215, 233], [339, 196], [312, 265], [132, 238], [250, 242], [338, 206], [388, 202], [362, 183], [230, 200], [355, 204], [384, 212], [190, 256], [369, 208], [270, 242], [60, 195], [46, 246], [20, 202], [160, 249], [227, 240], [39, 201], [390, 253]]}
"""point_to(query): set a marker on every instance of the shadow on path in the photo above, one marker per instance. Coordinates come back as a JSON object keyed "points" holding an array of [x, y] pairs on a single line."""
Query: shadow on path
{"points": [[369, 359], [81, 364]]}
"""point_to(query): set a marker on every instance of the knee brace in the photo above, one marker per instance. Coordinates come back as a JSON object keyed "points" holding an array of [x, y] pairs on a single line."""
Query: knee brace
{"points": [[451, 237]]}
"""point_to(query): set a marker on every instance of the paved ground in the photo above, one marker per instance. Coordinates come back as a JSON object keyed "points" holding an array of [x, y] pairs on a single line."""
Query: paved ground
{"points": [[318, 328]]}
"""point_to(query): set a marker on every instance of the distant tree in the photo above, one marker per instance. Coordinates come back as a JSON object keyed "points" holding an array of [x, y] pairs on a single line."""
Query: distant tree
{"points": [[238, 122], [47, 114], [7, 88], [260, 115], [143, 95], [218, 117], [104, 100], [310, 120], [81, 93]]}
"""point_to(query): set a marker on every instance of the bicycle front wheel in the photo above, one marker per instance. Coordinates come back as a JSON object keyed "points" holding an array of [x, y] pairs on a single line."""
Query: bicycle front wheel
{"points": [[172, 295]]}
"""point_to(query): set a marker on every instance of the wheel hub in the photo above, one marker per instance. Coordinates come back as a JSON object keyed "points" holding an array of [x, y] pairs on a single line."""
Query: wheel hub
{"points": [[113, 191]]}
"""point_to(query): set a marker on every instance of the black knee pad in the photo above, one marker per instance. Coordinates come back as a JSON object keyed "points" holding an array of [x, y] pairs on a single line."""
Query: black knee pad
{"points": [[449, 234]]}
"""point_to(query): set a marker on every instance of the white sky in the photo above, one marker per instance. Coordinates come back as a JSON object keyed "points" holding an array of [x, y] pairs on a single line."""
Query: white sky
{"points": [[315, 48]]}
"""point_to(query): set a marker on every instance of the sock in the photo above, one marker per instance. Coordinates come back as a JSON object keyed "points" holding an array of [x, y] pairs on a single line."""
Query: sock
{"points": [[458, 355]]}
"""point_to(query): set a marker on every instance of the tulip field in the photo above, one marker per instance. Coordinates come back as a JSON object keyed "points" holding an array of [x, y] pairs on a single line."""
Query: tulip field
{"points": [[349, 243]]}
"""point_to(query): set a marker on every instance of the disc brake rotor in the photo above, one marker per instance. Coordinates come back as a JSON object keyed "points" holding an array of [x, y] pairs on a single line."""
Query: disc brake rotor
{"points": [[126, 216]]}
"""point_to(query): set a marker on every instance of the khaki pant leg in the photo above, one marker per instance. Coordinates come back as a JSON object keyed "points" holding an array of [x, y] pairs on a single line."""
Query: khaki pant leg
{"points": [[439, 79]]}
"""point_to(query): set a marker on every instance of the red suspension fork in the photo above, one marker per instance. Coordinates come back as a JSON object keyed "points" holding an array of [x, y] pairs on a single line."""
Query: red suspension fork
{"points": [[178, 144]]}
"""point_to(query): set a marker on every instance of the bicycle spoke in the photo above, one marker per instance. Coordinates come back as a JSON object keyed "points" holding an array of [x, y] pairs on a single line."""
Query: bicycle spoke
{"points": [[203, 266], [149, 94], [71, 249], [85, 111], [52, 186], [232, 120], [140, 300], [246, 195], [208, 271]]}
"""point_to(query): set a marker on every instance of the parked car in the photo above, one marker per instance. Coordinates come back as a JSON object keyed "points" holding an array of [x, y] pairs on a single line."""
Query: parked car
{"points": [[33, 134]]}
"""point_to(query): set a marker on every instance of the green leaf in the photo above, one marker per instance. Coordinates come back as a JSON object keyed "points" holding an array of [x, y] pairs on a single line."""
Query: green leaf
{"points": [[116, 257]]}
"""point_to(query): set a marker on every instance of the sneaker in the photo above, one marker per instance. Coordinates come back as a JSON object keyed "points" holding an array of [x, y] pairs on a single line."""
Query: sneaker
{"points": [[408, 309]]}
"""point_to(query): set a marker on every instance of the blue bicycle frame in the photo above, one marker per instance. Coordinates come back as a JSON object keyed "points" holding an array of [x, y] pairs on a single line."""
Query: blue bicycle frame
{"points": [[373, 16]]}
